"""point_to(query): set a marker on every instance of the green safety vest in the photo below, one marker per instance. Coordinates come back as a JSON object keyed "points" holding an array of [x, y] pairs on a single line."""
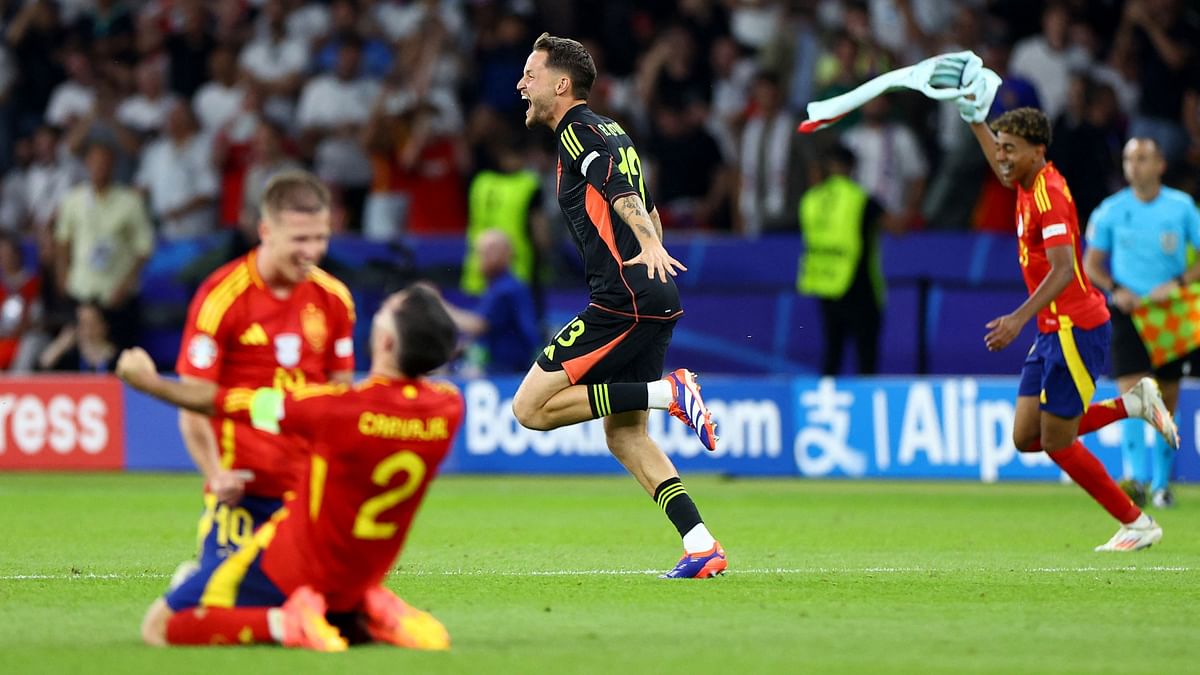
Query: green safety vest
{"points": [[831, 216], [500, 201]]}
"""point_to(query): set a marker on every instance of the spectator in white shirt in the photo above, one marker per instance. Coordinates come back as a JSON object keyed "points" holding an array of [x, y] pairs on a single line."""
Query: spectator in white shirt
{"points": [[267, 159], [732, 77], [308, 22], [891, 165], [1047, 59], [145, 112], [54, 172], [74, 97], [404, 20], [331, 115], [101, 125], [218, 100], [178, 177], [276, 62], [771, 162]]}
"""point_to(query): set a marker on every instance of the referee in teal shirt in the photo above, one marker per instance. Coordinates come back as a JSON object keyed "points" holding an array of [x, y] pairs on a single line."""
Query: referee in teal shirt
{"points": [[1137, 250]]}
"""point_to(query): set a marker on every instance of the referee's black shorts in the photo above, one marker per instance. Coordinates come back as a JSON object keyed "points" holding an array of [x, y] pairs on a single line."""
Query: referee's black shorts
{"points": [[1130, 356]]}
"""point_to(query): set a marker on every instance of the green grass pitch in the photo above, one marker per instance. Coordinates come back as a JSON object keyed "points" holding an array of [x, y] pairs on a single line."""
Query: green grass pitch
{"points": [[556, 575]]}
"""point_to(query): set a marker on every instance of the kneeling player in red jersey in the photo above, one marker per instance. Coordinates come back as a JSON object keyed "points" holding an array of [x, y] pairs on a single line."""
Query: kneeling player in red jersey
{"points": [[375, 448]]}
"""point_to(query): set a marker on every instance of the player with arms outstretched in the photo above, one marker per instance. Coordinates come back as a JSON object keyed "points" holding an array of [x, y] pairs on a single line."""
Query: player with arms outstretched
{"points": [[608, 361], [270, 318], [372, 451], [1071, 350]]}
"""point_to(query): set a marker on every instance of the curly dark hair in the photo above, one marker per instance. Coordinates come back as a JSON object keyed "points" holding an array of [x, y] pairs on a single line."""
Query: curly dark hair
{"points": [[1028, 123], [570, 57]]}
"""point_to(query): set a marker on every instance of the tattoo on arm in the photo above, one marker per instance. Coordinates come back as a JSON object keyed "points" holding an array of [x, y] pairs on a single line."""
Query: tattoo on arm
{"points": [[657, 223], [633, 212]]}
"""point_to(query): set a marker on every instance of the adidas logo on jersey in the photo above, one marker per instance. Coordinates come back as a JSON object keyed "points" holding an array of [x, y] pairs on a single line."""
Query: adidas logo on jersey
{"points": [[254, 336]]}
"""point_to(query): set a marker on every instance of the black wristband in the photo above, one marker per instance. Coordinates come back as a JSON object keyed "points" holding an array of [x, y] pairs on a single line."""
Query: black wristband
{"points": [[1115, 287], [1180, 280]]}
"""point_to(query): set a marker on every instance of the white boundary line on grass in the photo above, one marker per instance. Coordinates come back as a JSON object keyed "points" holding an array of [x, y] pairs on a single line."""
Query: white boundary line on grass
{"points": [[810, 571]]}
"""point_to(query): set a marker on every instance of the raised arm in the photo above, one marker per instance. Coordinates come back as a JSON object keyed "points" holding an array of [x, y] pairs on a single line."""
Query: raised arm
{"points": [[987, 143], [196, 399]]}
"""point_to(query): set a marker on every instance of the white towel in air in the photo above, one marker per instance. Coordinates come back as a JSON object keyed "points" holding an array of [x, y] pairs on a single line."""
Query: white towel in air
{"points": [[976, 80]]}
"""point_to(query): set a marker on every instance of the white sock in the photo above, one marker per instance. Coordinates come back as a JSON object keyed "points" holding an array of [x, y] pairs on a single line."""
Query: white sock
{"points": [[659, 394], [698, 540], [275, 624], [1142, 521], [1133, 404]]}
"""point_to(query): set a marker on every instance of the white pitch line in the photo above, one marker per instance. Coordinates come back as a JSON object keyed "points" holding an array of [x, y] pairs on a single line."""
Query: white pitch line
{"points": [[808, 571], [86, 576], [797, 571]]}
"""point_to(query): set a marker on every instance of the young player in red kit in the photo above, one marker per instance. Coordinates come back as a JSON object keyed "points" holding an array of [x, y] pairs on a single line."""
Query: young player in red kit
{"points": [[271, 318], [372, 451], [1071, 350]]}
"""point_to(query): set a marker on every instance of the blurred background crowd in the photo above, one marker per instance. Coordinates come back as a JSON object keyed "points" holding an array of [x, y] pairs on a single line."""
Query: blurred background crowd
{"points": [[159, 121]]}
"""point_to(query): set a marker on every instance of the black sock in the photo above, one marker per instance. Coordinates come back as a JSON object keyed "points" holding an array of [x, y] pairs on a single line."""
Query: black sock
{"points": [[619, 397], [674, 500]]}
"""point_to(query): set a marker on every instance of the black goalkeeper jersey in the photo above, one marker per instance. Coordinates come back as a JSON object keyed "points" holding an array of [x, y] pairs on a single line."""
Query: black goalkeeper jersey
{"points": [[598, 164]]}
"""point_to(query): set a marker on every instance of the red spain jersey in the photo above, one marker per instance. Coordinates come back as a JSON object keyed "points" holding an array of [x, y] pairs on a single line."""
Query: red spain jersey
{"points": [[239, 334], [1046, 217], [375, 449]]}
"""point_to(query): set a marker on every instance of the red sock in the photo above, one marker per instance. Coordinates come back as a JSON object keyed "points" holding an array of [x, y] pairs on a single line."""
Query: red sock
{"points": [[1089, 474], [1097, 416], [219, 626]]}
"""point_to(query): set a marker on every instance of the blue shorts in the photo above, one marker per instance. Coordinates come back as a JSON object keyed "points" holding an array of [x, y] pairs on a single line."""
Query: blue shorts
{"points": [[236, 580], [1062, 368], [224, 529]]}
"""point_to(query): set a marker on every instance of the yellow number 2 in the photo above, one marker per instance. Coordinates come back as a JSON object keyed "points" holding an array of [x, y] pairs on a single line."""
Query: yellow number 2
{"points": [[366, 524]]}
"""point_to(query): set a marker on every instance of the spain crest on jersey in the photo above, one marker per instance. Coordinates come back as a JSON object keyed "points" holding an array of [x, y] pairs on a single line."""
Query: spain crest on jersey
{"points": [[314, 327]]}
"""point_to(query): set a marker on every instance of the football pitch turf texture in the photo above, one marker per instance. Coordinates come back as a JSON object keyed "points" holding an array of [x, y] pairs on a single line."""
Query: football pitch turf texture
{"points": [[558, 575]]}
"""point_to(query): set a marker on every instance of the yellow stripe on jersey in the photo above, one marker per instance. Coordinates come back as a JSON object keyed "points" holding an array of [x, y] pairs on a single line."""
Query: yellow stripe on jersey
{"points": [[228, 444], [575, 138], [332, 285], [206, 520], [443, 387], [316, 485], [213, 309], [222, 587], [1040, 195], [238, 399], [1079, 372], [311, 390], [571, 141], [1078, 272]]}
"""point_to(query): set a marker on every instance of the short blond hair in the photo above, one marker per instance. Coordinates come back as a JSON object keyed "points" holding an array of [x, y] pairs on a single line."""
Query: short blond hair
{"points": [[295, 190]]}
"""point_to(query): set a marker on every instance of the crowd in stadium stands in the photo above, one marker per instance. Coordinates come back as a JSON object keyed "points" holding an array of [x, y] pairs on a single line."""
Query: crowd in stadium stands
{"points": [[187, 107]]}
